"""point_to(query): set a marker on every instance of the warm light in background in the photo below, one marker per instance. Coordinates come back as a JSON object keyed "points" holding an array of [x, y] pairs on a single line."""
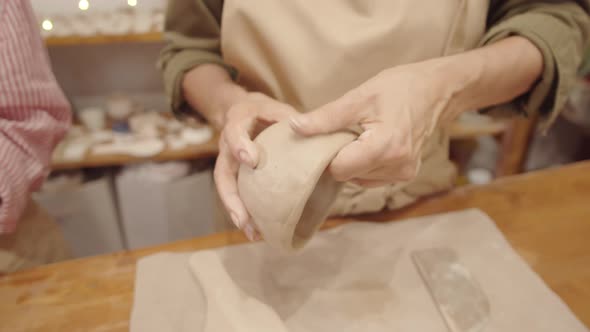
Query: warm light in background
{"points": [[83, 4], [47, 25], [132, 3]]}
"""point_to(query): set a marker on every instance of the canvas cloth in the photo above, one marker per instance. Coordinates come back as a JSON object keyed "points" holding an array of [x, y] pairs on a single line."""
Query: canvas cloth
{"points": [[356, 277]]}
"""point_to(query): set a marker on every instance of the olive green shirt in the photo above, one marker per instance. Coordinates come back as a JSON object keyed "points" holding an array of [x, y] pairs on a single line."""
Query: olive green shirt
{"points": [[559, 28]]}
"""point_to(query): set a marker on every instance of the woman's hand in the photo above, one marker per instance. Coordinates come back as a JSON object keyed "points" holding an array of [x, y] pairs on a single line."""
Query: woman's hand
{"points": [[240, 116], [399, 108], [243, 121]]}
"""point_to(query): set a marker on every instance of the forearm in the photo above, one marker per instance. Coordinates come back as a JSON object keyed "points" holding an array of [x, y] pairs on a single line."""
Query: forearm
{"points": [[486, 76], [209, 89]]}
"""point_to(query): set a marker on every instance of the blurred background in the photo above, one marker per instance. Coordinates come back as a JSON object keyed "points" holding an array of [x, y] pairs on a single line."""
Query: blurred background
{"points": [[129, 174]]}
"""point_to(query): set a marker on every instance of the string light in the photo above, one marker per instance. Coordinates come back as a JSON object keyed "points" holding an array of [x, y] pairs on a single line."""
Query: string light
{"points": [[83, 4], [132, 3], [47, 25]]}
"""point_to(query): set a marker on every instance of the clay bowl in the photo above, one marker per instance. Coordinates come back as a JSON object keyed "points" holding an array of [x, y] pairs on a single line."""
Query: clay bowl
{"points": [[290, 192]]}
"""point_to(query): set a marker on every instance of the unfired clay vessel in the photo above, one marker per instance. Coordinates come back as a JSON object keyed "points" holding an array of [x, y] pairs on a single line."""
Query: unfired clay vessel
{"points": [[120, 107], [93, 118], [289, 193]]}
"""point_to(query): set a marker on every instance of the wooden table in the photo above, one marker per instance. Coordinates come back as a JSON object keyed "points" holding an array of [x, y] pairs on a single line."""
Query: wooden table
{"points": [[545, 216]]}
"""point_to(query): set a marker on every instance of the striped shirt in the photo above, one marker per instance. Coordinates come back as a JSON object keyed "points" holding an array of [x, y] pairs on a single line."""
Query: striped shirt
{"points": [[34, 113]]}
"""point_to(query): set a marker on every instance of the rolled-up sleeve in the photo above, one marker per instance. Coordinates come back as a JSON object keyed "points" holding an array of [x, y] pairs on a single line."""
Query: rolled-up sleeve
{"points": [[560, 30], [192, 33]]}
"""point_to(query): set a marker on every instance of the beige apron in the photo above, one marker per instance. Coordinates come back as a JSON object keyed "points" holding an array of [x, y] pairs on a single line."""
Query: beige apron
{"points": [[36, 241], [308, 53]]}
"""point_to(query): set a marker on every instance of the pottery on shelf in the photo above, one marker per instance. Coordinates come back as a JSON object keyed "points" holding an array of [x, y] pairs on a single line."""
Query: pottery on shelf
{"points": [[147, 124], [122, 23], [142, 21], [120, 107], [75, 149], [158, 19], [141, 148], [104, 22], [93, 118], [61, 27], [82, 25], [196, 135], [175, 142], [173, 126]]}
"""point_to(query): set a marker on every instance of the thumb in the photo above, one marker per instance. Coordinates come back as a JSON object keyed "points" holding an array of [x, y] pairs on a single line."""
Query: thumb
{"points": [[339, 114]]}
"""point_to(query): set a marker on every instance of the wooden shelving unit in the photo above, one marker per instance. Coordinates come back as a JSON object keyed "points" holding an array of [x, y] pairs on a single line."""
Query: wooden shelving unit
{"points": [[210, 149], [191, 152], [104, 39], [457, 131]]}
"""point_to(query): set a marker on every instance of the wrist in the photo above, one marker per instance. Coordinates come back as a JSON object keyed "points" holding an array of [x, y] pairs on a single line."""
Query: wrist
{"points": [[209, 89], [486, 76], [454, 79], [227, 95]]}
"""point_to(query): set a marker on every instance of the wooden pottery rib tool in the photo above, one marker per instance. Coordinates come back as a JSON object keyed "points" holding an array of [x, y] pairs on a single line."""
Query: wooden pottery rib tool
{"points": [[458, 297]]}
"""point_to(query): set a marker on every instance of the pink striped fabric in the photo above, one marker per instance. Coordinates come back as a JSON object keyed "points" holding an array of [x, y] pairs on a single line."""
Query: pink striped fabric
{"points": [[34, 113]]}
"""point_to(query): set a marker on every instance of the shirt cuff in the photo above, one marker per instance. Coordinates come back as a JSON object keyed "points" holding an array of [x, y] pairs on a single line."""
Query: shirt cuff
{"points": [[176, 67], [561, 55]]}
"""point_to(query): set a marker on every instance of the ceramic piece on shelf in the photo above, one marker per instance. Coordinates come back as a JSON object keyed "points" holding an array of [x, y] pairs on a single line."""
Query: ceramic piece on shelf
{"points": [[121, 23], [121, 127], [93, 118], [174, 142], [292, 170], [124, 137], [174, 126], [58, 151], [142, 21], [104, 22], [196, 135], [158, 19], [102, 136], [61, 27], [82, 25], [141, 148], [75, 149], [480, 176], [147, 130], [75, 131], [120, 107], [147, 124], [109, 23], [73, 146], [192, 122]]}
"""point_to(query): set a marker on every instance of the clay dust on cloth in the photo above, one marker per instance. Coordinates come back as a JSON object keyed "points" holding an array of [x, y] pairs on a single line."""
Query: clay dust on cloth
{"points": [[356, 277]]}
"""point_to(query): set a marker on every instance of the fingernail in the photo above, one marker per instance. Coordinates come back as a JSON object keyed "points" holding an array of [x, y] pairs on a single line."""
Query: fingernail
{"points": [[244, 157], [295, 123], [251, 233]]}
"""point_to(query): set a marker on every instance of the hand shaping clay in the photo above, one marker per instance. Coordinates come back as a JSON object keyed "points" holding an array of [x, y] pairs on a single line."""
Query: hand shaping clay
{"points": [[289, 193]]}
